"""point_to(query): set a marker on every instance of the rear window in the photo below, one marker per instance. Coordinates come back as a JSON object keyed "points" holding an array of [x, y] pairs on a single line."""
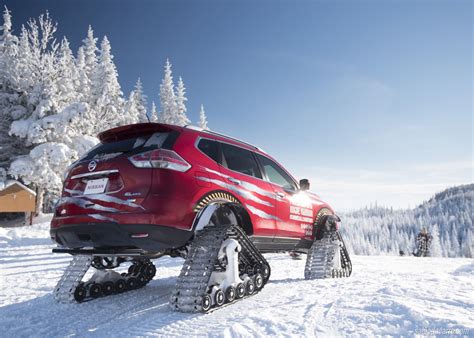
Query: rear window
{"points": [[104, 151]]}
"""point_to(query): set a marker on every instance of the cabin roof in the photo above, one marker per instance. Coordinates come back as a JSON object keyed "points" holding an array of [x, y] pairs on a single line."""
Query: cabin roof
{"points": [[9, 183]]}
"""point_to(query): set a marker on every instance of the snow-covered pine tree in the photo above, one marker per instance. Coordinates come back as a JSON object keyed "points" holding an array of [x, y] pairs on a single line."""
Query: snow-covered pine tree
{"points": [[83, 81], [180, 116], [8, 49], [455, 247], [141, 102], [9, 95], [19, 65], [167, 96], [68, 76], [43, 47], [106, 92], [446, 243], [131, 113], [154, 113], [20, 68], [86, 66], [38, 74], [468, 244], [203, 118], [435, 249], [88, 62]]}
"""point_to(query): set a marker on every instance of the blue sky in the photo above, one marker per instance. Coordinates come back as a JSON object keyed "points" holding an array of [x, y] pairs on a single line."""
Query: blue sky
{"points": [[371, 100]]}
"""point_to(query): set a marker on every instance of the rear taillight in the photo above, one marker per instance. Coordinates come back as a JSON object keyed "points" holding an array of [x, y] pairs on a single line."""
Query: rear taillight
{"points": [[160, 158]]}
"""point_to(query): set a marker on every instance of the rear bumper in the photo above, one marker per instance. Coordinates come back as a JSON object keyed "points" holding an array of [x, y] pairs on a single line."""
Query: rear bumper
{"points": [[103, 252], [149, 237]]}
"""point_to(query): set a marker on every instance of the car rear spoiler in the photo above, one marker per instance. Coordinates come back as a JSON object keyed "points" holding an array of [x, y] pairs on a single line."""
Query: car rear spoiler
{"points": [[134, 130]]}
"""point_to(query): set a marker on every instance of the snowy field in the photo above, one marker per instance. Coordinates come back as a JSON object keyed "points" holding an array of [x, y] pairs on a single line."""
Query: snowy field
{"points": [[385, 295]]}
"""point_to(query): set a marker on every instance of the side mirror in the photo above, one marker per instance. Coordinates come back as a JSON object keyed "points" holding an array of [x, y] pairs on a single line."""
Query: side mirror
{"points": [[304, 184]]}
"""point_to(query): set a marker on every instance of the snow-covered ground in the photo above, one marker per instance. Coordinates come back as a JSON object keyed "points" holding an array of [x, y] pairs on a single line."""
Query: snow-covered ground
{"points": [[386, 295]]}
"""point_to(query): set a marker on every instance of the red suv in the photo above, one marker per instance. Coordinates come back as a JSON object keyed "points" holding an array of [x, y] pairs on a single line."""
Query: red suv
{"points": [[152, 189]]}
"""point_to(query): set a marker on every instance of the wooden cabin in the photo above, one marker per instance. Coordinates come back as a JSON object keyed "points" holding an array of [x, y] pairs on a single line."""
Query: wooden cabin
{"points": [[16, 197]]}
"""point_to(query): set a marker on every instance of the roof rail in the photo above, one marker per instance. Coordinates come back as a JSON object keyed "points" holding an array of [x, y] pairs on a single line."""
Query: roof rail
{"points": [[193, 127], [189, 126]]}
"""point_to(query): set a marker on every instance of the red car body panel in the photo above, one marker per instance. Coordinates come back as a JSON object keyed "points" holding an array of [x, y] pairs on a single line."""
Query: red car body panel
{"points": [[169, 198]]}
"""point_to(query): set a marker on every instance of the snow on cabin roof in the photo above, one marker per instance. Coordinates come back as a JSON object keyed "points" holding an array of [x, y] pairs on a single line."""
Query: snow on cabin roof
{"points": [[9, 183]]}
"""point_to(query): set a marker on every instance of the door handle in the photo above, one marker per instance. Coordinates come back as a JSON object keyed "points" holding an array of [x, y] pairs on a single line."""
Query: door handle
{"points": [[233, 180], [280, 194]]}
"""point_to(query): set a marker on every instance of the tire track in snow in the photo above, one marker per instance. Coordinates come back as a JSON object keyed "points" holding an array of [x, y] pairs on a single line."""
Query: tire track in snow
{"points": [[27, 257], [61, 261], [87, 317]]}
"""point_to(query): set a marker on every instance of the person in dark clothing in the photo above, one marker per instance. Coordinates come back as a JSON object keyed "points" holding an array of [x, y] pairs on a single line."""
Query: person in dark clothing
{"points": [[423, 242]]}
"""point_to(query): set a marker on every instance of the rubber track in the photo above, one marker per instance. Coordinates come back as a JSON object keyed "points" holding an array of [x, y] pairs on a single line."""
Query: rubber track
{"points": [[77, 268], [320, 259], [193, 280], [72, 278]]}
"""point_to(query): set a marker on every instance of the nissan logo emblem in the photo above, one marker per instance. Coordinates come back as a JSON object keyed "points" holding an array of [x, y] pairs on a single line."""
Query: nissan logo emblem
{"points": [[92, 165]]}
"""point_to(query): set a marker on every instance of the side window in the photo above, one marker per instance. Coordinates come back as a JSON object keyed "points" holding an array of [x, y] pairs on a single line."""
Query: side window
{"points": [[209, 148], [276, 174], [241, 160]]}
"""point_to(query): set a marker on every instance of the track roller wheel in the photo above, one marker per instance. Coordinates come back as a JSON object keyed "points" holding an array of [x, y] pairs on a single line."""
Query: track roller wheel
{"points": [[95, 290], [120, 286], [132, 283], [219, 297], [80, 293], [258, 280], [133, 269], [206, 303], [108, 288], [250, 287], [150, 272], [142, 280], [265, 272], [240, 290], [230, 294]]}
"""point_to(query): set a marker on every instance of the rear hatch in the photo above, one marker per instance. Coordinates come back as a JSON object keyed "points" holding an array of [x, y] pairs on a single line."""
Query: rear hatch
{"points": [[105, 180]]}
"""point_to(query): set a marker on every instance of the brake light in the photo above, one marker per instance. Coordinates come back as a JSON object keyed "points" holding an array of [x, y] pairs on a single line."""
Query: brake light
{"points": [[160, 158]]}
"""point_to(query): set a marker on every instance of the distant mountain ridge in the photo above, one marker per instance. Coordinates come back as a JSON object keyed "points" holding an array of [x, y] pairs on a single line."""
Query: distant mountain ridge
{"points": [[448, 216]]}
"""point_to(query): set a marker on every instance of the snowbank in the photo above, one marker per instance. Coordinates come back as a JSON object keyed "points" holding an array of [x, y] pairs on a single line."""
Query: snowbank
{"points": [[38, 233]]}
